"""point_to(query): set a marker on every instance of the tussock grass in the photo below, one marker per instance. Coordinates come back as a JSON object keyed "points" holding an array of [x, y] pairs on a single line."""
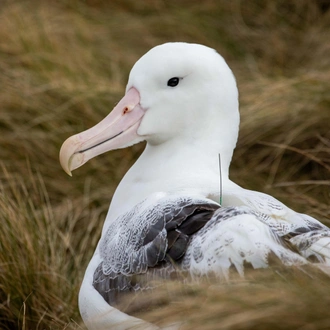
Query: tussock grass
{"points": [[269, 299], [42, 247], [64, 65]]}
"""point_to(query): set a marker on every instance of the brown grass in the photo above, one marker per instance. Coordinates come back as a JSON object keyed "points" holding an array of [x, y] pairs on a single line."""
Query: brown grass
{"points": [[269, 299], [63, 66]]}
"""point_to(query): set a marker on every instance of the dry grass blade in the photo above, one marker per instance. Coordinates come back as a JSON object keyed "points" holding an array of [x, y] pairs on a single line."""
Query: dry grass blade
{"points": [[34, 258], [276, 298]]}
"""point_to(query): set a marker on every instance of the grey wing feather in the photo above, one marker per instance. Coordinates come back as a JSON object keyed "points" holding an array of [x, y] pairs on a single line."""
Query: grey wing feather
{"points": [[145, 244]]}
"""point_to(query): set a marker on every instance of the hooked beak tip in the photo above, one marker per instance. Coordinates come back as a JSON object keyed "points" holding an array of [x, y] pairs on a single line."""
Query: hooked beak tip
{"points": [[68, 172], [67, 154], [65, 165]]}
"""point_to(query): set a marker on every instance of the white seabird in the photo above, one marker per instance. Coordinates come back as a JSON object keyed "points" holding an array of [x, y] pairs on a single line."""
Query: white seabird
{"points": [[182, 99]]}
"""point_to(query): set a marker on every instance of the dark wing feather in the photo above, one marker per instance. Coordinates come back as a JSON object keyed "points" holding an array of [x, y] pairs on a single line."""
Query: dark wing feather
{"points": [[179, 248], [156, 251], [196, 221], [179, 229], [172, 236], [183, 211], [153, 231]]}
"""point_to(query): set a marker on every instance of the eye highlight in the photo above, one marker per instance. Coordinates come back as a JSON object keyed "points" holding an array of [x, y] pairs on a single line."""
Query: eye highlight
{"points": [[173, 82]]}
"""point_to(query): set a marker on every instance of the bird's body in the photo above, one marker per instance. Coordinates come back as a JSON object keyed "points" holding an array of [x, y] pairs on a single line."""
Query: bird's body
{"points": [[165, 214]]}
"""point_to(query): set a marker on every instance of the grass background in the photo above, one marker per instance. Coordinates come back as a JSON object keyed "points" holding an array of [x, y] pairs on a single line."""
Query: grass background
{"points": [[64, 64]]}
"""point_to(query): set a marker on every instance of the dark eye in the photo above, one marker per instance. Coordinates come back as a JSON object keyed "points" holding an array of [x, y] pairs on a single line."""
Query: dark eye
{"points": [[173, 82]]}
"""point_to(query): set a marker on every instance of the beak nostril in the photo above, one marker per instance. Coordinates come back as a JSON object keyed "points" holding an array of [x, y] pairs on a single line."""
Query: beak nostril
{"points": [[126, 109]]}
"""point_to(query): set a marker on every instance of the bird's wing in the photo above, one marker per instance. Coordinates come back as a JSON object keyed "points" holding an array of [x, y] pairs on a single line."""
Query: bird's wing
{"points": [[307, 235], [144, 244], [237, 237]]}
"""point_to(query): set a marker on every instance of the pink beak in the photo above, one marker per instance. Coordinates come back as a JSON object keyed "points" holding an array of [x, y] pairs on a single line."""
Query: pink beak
{"points": [[115, 131]]}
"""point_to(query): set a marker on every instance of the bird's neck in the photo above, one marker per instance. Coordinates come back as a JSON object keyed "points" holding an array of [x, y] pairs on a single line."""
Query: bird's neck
{"points": [[185, 164]]}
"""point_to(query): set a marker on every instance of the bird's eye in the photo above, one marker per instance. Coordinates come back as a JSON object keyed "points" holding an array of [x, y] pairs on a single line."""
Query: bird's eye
{"points": [[173, 82]]}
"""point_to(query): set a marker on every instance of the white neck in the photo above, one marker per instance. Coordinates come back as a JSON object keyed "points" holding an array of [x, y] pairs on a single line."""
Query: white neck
{"points": [[185, 163]]}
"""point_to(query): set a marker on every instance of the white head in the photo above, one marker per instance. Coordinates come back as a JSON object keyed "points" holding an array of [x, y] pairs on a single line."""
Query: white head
{"points": [[205, 90], [175, 92]]}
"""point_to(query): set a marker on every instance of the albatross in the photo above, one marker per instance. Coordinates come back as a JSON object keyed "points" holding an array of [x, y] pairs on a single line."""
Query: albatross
{"points": [[165, 215]]}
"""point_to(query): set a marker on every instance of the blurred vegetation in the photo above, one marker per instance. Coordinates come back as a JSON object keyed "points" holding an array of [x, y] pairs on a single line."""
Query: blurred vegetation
{"points": [[273, 299], [64, 64]]}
